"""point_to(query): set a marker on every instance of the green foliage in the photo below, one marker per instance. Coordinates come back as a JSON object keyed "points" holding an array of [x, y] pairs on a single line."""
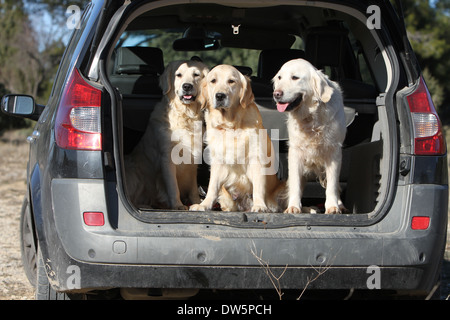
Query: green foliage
{"points": [[434, 85], [27, 65], [11, 18]]}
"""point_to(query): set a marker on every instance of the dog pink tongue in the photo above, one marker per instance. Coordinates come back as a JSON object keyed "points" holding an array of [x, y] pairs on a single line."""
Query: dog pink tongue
{"points": [[187, 97], [281, 107]]}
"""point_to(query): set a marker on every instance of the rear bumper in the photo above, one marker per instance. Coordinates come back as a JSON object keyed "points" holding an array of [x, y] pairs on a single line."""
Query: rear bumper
{"points": [[95, 276], [385, 255]]}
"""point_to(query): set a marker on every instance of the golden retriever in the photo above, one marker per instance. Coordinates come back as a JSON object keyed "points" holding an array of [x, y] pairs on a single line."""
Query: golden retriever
{"points": [[316, 127], [242, 159], [162, 170]]}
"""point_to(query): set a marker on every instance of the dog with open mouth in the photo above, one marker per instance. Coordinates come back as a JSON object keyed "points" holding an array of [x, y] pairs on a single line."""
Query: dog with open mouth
{"points": [[154, 177], [316, 127]]}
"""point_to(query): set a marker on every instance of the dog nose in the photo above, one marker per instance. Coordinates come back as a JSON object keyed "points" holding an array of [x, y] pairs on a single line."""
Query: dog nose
{"points": [[220, 96], [277, 94], [187, 86]]}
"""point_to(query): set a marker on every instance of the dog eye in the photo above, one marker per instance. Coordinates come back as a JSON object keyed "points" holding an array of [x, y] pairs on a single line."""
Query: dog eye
{"points": [[279, 77], [196, 74], [178, 75], [213, 81], [231, 81], [295, 78]]}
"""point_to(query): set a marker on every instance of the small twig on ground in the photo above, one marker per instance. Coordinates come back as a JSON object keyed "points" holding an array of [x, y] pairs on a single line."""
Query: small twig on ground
{"points": [[275, 280], [320, 271]]}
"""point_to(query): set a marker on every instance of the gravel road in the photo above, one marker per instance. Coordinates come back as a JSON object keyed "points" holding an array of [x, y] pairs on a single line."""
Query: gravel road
{"points": [[14, 284]]}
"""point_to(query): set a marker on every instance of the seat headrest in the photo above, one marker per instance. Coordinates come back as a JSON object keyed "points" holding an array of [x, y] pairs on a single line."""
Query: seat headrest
{"points": [[271, 60], [139, 60], [324, 46]]}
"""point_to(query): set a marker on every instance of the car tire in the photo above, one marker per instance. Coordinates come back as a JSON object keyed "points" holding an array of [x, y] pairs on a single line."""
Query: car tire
{"points": [[44, 290], [28, 243]]}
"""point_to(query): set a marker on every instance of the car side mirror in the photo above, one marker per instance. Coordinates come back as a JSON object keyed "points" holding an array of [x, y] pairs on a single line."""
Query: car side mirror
{"points": [[21, 105]]}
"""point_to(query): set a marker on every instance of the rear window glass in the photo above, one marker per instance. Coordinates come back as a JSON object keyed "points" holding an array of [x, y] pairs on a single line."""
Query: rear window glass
{"points": [[164, 39]]}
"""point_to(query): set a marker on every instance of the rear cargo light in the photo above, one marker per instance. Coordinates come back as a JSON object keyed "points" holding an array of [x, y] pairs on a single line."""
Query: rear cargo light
{"points": [[78, 122], [420, 223], [428, 137], [94, 219]]}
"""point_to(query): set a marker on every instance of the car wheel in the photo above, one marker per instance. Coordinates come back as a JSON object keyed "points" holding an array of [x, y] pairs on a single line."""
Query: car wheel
{"points": [[27, 243], [44, 290]]}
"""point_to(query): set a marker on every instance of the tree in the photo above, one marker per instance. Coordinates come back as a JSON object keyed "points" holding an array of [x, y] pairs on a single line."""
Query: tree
{"points": [[28, 59], [12, 18], [29, 54]]}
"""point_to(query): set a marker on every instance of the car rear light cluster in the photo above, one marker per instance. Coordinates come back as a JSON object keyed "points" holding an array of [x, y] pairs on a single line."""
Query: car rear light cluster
{"points": [[78, 122], [428, 137]]}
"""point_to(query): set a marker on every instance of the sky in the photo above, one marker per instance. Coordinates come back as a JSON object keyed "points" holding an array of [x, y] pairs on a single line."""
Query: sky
{"points": [[47, 27]]}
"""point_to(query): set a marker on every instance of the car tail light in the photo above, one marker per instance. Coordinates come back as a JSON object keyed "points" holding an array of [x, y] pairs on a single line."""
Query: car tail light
{"points": [[78, 122], [428, 137], [420, 223]]}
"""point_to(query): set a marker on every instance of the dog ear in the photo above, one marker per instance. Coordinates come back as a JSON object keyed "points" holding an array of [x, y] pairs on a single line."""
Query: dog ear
{"points": [[202, 97], [205, 72], [322, 90], [166, 78], [246, 95]]}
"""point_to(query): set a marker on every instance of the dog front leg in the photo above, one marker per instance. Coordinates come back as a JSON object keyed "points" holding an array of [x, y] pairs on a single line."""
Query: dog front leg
{"points": [[258, 180], [215, 183], [295, 181], [194, 196], [333, 203], [169, 173]]}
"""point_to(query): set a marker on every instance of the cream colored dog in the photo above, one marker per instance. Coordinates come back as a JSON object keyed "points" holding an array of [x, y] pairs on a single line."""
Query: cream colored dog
{"points": [[162, 169], [242, 158], [316, 126]]}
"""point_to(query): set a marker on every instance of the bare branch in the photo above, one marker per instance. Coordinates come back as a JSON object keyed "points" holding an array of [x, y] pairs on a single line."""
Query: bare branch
{"points": [[319, 272], [275, 280]]}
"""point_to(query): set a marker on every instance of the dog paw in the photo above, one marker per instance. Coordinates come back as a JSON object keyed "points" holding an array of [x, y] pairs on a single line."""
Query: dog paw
{"points": [[259, 209], [293, 210], [333, 210], [197, 207]]}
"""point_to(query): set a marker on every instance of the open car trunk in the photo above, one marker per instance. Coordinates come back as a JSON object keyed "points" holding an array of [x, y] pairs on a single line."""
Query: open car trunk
{"points": [[334, 38]]}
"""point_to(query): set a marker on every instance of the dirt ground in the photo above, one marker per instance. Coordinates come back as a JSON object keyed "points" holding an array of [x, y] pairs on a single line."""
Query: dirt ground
{"points": [[14, 284]]}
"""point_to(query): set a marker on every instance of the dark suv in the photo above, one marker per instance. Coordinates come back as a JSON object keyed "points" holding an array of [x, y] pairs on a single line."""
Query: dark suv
{"points": [[83, 237]]}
